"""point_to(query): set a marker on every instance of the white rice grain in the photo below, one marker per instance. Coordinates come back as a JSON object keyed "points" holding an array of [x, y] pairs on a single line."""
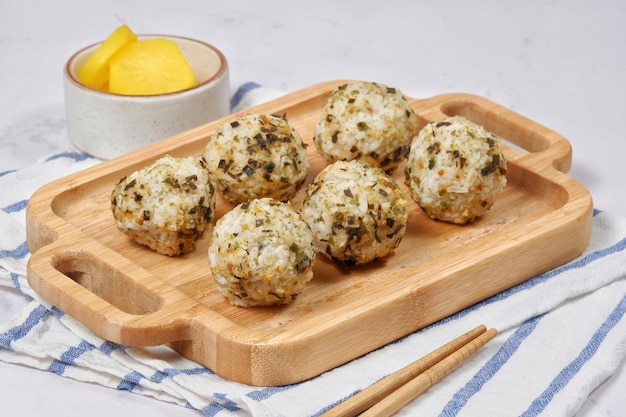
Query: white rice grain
{"points": [[261, 254], [257, 156], [167, 206], [366, 121], [356, 211], [455, 170]]}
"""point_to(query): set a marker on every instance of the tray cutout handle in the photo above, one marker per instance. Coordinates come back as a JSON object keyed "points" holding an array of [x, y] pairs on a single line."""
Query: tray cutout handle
{"points": [[106, 282], [116, 299]]}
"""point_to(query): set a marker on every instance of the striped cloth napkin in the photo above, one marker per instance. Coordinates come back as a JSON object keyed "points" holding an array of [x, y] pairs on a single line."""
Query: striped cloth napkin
{"points": [[560, 334]]}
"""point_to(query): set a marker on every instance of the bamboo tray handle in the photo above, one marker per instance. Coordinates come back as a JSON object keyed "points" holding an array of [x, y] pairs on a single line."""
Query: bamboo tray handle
{"points": [[119, 300]]}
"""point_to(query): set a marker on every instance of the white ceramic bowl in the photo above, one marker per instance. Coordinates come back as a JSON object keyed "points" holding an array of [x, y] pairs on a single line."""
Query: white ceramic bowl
{"points": [[107, 125]]}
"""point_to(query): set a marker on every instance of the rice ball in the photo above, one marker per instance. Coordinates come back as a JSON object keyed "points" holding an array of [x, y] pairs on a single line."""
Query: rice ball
{"points": [[257, 156], [167, 206], [455, 170], [261, 253], [366, 121], [356, 211]]}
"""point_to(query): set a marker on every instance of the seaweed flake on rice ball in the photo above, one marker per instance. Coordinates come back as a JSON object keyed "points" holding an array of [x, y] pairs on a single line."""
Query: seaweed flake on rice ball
{"points": [[167, 206], [257, 156], [261, 253], [366, 121], [455, 170], [356, 211]]}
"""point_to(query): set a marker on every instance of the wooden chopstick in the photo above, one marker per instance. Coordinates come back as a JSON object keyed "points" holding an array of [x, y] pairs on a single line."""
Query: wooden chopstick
{"points": [[393, 392]]}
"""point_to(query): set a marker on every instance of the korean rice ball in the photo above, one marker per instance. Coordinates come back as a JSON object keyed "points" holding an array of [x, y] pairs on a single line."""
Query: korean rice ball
{"points": [[366, 121], [167, 206], [261, 253], [356, 211], [257, 156], [455, 170]]}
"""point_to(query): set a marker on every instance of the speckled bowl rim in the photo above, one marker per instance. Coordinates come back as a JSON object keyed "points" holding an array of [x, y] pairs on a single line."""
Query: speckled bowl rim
{"points": [[218, 74]]}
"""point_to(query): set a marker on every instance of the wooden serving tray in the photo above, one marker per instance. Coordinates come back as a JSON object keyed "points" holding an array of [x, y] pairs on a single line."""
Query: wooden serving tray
{"points": [[128, 294]]}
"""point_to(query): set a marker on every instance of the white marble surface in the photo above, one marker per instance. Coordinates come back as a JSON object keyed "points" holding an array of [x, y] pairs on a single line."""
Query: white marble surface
{"points": [[561, 63]]}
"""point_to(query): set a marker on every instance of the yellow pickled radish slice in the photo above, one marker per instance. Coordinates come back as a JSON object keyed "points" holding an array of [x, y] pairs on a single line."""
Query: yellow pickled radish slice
{"points": [[151, 66], [95, 72]]}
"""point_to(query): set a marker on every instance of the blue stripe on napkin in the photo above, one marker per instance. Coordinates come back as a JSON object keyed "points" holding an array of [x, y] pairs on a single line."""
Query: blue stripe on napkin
{"points": [[109, 347], [15, 279], [172, 372], [265, 393], [68, 358], [74, 352], [56, 367], [487, 372], [159, 376], [215, 407], [241, 93], [15, 207], [18, 253], [22, 330], [130, 381], [76, 156], [567, 373]]}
